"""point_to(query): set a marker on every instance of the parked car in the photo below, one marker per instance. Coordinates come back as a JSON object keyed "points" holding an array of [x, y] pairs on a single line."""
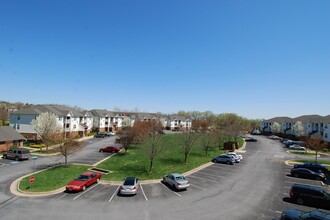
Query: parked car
{"points": [[310, 195], [110, 149], [176, 180], [296, 147], [100, 135], [224, 159], [306, 173], [295, 214], [250, 139], [312, 166], [235, 156], [130, 186], [84, 181], [273, 137], [238, 155], [17, 154]]}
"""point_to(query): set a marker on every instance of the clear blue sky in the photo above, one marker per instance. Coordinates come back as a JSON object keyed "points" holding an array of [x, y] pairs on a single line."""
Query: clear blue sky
{"points": [[259, 59]]}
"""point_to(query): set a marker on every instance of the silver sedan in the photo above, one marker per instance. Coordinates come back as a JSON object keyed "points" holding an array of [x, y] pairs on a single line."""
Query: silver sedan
{"points": [[176, 180]]}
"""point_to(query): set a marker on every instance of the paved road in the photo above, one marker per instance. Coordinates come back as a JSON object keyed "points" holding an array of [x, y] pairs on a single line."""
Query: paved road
{"points": [[256, 188]]}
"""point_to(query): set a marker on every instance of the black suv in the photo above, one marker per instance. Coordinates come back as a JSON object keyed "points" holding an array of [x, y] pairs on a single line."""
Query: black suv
{"points": [[305, 194], [313, 167]]}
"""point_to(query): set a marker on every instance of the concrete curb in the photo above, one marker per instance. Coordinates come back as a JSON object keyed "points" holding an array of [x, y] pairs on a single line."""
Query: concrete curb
{"points": [[14, 188]]}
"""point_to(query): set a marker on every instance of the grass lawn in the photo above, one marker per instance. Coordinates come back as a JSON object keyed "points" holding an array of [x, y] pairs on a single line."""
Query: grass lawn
{"points": [[302, 153], [52, 179], [135, 163]]}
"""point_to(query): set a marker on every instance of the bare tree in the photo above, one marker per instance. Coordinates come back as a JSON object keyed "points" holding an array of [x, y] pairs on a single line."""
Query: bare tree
{"points": [[188, 141], [68, 146], [47, 128], [153, 145], [126, 137], [206, 139], [315, 143]]}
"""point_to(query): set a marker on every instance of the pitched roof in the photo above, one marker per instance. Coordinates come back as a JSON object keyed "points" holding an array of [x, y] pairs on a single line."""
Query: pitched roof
{"points": [[280, 119], [8, 133], [59, 110], [309, 118]]}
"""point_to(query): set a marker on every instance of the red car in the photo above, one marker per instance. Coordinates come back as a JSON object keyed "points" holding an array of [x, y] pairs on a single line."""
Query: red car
{"points": [[83, 181], [111, 149]]}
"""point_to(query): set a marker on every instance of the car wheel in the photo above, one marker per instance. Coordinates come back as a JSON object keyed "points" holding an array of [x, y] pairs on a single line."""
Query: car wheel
{"points": [[296, 175], [300, 201], [113, 151], [163, 180], [84, 188], [4, 156], [228, 162], [174, 187], [320, 171], [16, 158], [318, 178]]}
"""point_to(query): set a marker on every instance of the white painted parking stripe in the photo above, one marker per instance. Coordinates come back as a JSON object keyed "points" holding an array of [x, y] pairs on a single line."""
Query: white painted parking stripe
{"points": [[85, 191], [193, 185], [143, 192], [203, 179], [113, 195], [204, 173], [278, 212], [286, 194], [60, 197], [171, 190], [217, 169]]}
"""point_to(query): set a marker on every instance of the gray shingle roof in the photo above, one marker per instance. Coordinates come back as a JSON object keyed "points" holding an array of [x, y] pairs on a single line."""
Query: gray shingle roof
{"points": [[8, 133]]}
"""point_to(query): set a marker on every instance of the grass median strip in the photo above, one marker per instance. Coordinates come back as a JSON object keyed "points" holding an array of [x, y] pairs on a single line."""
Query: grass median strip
{"points": [[52, 179]]}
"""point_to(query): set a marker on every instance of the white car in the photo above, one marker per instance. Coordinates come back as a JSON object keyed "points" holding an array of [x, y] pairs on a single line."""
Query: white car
{"points": [[176, 180], [296, 147], [236, 155]]}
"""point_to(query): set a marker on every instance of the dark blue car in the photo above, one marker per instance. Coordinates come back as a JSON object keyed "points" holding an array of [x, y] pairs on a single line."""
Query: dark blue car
{"points": [[313, 167], [294, 214]]}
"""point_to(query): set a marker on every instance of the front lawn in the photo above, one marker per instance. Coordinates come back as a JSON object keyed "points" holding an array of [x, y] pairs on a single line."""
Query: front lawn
{"points": [[53, 178]]}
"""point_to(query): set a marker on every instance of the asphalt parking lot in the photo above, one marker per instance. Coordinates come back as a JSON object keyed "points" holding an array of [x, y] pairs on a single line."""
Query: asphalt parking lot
{"points": [[200, 181]]}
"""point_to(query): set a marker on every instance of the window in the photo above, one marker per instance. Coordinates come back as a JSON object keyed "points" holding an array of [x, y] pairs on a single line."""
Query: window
{"points": [[326, 135], [67, 125], [74, 126], [19, 118], [17, 127]]}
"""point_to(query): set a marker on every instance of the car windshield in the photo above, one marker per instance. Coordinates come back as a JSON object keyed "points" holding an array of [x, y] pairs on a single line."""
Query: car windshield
{"points": [[129, 182], [82, 177], [180, 178]]}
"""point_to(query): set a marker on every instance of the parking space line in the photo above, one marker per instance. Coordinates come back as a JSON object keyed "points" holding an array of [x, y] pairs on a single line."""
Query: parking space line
{"points": [[60, 197], [143, 192], [113, 195], [221, 169], [203, 179], [207, 174], [171, 190], [198, 187], [286, 194], [85, 191]]}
